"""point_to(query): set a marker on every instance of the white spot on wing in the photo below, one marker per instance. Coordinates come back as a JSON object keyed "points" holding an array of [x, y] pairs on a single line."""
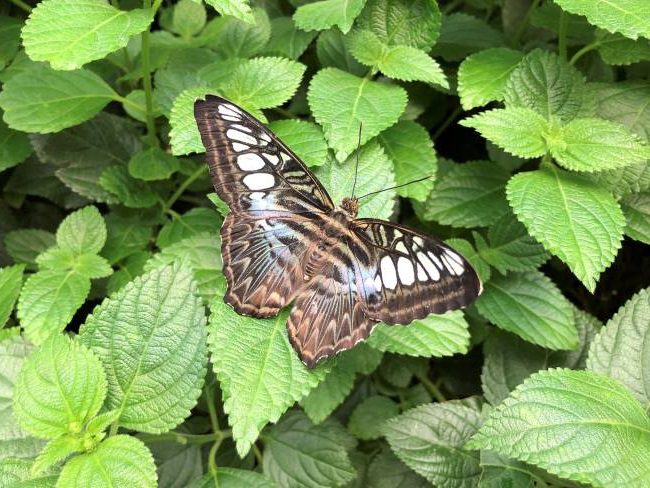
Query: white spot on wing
{"points": [[265, 136], [230, 106], [239, 147], [259, 181], [228, 110], [250, 162], [378, 283], [272, 158], [435, 259], [448, 265], [454, 256], [429, 266], [231, 118], [401, 247], [241, 127], [388, 273], [235, 135], [418, 240], [405, 270], [257, 195], [422, 275], [453, 262]]}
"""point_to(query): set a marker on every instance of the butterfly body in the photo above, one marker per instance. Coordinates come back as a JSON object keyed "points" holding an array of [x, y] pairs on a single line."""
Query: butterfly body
{"points": [[285, 242]]}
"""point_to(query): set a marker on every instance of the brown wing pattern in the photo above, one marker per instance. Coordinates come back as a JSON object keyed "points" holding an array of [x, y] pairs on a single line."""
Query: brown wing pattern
{"points": [[411, 275]]}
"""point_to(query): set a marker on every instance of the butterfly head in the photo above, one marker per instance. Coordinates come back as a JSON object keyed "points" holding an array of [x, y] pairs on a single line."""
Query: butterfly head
{"points": [[350, 206]]}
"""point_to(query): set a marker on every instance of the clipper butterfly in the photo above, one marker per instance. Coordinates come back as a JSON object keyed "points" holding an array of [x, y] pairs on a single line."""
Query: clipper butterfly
{"points": [[284, 241]]}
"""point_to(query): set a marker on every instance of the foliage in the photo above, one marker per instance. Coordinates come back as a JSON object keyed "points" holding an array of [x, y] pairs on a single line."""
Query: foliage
{"points": [[527, 126]]}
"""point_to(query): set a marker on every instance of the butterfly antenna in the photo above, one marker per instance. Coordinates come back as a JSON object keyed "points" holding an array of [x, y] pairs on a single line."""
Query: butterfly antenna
{"points": [[394, 187], [356, 166]]}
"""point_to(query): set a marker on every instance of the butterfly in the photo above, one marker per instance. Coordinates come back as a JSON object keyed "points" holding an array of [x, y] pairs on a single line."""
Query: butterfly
{"points": [[284, 241]]}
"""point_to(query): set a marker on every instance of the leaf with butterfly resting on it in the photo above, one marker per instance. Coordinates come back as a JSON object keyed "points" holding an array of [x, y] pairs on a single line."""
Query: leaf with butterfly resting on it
{"points": [[284, 241]]}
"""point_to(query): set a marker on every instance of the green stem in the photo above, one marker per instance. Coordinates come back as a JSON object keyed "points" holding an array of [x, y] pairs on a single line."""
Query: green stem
{"points": [[448, 121], [583, 51], [524, 23], [184, 186], [131, 103], [432, 388], [146, 83], [447, 9], [562, 34], [258, 454], [182, 438], [22, 5], [113, 430]]}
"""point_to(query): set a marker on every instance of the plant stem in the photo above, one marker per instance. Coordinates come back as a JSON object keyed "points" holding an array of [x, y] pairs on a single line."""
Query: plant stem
{"points": [[448, 121], [583, 51], [258, 454], [179, 191], [22, 5], [524, 22], [146, 83], [562, 33], [113, 430], [432, 388]]}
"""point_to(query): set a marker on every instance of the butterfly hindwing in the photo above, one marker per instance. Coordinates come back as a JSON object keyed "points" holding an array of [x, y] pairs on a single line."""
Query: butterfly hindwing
{"points": [[411, 275]]}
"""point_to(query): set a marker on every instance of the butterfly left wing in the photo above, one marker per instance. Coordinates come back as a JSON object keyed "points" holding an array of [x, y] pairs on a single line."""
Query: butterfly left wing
{"points": [[409, 275]]}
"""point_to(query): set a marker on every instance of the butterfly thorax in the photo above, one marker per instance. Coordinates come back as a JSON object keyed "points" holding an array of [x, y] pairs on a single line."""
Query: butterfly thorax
{"points": [[350, 206]]}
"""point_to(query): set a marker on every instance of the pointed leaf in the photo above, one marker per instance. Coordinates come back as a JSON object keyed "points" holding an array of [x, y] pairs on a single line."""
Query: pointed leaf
{"points": [[304, 138], [636, 208], [11, 281], [153, 164], [367, 419], [327, 13], [239, 9], [83, 231]]}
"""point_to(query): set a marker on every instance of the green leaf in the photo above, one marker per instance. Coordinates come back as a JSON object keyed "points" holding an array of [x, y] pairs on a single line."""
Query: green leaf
{"points": [[9, 39], [188, 18], [132, 267], [24, 245], [434, 335], [337, 385], [286, 40], [240, 9], [259, 372], [621, 349], [118, 461], [482, 76], [517, 130], [462, 34], [629, 17], [127, 234], [510, 247], [596, 144], [466, 249], [11, 281], [14, 147], [16, 473], [531, 306], [583, 224], [84, 32], [468, 195], [129, 191], [509, 360], [636, 208], [153, 164], [44, 100], [195, 221], [304, 138], [233, 478], [184, 134], [404, 63], [264, 82], [324, 14], [617, 50], [83, 231], [410, 23], [72, 380], [332, 51], [298, 453], [48, 301], [499, 471], [234, 38], [374, 173], [576, 424], [135, 105], [340, 102], [367, 419], [410, 148], [150, 337], [547, 84], [386, 471], [92, 266], [178, 465], [624, 102], [14, 441], [429, 439], [201, 254], [56, 451]]}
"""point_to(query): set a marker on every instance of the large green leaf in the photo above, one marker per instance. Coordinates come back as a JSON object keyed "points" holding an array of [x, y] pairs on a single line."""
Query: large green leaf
{"points": [[462, 34], [387, 471], [177, 464], [374, 172], [409, 147], [342, 102], [629, 17], [624, 102], [121, 460], [300, 454], [531, 306], [482, 76], [327, 13], [239, 9], [582, 224], [576, 424], [430, 438], [434, 335], [83, 231], [258, 370], [11, 281], [70, 34], [59, 389], [193, 222], [636, 208], [622, 349], [235, 38], [23, 245], [367, 419], [14, 147], [150, 337], [233, 478], [286, 40], [44, 100], [153, 164], [188, 18], [304, 138]]}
